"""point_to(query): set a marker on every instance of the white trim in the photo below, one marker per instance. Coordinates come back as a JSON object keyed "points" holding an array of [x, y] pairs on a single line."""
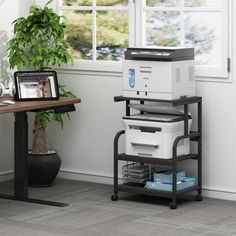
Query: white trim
{"points": [[182, 29], [6, 175], [213, 79], [94, 31], [94, 178], [101, 74], [101, 66], [142, 24], [232, 36], [219, 194], [132, 28], [57, 4]]}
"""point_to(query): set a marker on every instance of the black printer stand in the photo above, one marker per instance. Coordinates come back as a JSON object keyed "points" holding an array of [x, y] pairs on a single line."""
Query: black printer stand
{"points": [[194, 136]]}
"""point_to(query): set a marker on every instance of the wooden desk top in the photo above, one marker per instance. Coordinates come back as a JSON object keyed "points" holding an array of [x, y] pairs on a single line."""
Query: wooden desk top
{"points": [[34, 105]]}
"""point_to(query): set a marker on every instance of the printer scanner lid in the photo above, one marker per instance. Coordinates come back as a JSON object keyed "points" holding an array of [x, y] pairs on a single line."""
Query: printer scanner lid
{"points": [[156, 117], [160, 54]]}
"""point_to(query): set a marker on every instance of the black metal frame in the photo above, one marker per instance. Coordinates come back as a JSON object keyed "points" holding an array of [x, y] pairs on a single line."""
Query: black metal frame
{"points": [[195, 136], [21, 192]]}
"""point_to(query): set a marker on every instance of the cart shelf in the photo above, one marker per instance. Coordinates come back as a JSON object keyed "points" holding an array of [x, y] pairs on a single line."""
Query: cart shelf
{"points": [[152, 192], [167, 162], [176, 102]]}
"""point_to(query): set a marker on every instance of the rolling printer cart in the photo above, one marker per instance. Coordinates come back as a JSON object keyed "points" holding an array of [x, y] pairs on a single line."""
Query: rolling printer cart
{"points": [[194, 136]]}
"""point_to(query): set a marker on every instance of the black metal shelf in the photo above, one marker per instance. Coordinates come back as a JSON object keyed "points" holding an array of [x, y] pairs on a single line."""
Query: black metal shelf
{"points": [[195, 136], [152, 192], [151, 160], [175, 102]]}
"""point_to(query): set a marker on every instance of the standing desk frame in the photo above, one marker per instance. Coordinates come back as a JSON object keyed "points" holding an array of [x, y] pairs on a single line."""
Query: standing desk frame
{"points": [[21, 191]]}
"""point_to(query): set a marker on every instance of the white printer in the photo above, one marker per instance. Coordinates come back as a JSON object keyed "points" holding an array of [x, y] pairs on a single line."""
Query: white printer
{"points": [[158, 73], [153, 135]]}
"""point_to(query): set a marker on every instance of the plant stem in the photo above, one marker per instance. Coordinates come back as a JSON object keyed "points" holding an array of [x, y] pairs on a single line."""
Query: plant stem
{"points": [[39, 139]]}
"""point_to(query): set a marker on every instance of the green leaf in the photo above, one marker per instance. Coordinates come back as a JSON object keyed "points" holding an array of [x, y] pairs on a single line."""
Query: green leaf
{"points": [[36, 38]]}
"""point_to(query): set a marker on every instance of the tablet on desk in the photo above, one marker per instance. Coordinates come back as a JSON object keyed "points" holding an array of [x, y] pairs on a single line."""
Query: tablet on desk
{"points": [[36, 85]]}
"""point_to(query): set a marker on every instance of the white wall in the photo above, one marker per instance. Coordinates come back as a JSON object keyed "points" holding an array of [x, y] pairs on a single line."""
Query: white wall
{"points": [[6, 121], [9, 11], [86, 143], [219, 135], [53, 4]]}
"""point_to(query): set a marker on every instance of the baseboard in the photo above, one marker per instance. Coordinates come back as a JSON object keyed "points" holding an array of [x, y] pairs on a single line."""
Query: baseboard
{"points": [[219, 194], [95, 178], [6, 176]]}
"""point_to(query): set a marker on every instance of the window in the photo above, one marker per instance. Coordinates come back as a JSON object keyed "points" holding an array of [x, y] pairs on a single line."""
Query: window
{"points": [[97, 30], [100, 30]]}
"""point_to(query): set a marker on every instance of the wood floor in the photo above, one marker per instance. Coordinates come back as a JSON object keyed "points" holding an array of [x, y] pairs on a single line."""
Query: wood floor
{"points": [[91, 212]]}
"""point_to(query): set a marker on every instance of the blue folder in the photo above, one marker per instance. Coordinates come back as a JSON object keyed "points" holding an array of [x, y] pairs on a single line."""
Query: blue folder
{"points": [[184, 183]]}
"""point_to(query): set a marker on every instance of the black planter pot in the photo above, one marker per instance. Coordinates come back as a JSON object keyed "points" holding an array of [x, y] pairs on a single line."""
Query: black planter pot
{"points": [[43, 168]]}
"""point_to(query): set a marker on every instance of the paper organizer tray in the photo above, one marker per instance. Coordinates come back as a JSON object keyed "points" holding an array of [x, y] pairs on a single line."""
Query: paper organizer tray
{"points": [[138, 173]]}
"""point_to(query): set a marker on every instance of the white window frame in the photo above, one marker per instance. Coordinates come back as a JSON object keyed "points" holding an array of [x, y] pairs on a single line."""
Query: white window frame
{"points": [[136, 29]]}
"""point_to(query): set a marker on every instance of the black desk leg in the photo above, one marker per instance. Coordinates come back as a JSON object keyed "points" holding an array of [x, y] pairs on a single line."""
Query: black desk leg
{"points": [[20, 155], [21, 164]]}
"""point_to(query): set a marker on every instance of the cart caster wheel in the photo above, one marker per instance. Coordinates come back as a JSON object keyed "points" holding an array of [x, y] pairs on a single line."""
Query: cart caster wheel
{"points": [[198, 198], [173, 206], [114, 197]]}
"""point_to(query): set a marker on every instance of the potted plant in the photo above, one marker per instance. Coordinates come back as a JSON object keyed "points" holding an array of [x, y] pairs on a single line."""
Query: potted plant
{"points": [[38, 44]]}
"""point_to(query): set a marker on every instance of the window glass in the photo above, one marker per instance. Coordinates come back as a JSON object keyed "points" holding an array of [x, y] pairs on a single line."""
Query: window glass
{"points": [[162, 28], [203, 3], [187, 3], [163, 3], [112, 2], [77, 2], [79, 33], [203, 32], [112, 34]]}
